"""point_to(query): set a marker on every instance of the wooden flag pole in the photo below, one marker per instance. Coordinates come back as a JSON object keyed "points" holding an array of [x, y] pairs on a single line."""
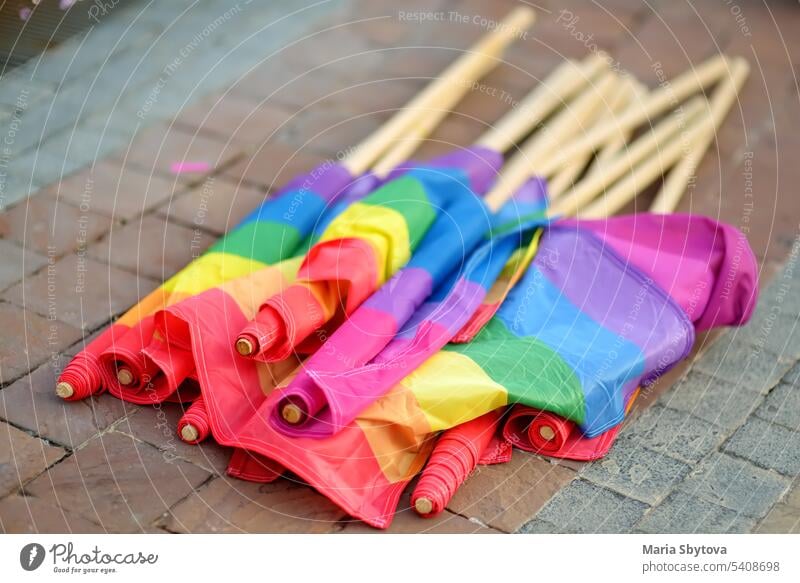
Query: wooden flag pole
{"points": [[613, 147], [567, 175], [718, 106], [465, 70], [564, 125], [642, 148], [561, 85], [564, 82], [657, 102]]}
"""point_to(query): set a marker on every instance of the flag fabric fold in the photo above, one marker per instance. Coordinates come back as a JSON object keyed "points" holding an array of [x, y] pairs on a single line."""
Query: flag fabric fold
{"points": [[404, 329], [546, 347], [363, 247], [456, 454], [271, 233]]}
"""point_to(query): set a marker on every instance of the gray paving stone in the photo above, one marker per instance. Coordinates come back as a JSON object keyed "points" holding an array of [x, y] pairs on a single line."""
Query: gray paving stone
{"points": [[82, 146], [767, 445], [17, 263], [736, 485], [15, 85], [538, 526], [675, 433], [782, 406], [681, 513], [716, 401], [793, 376], [734, 360], [775, 325], [636, 471], [582, 507]]}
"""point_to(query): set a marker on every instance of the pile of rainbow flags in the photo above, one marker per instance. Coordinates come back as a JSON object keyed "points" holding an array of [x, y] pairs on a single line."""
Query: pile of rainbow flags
{"points": [[379, 318]]}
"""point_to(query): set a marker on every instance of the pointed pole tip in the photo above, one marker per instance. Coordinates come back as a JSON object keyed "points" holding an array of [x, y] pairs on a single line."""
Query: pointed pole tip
{"points": [[125, 377], [547, 432], [423, 506], [189, 433], [292, 414], [245, 347], [64, 390]]}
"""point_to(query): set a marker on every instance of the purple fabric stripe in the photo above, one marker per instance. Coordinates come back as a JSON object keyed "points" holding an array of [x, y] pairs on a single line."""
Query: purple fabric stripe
{"points": [[616, 303]]}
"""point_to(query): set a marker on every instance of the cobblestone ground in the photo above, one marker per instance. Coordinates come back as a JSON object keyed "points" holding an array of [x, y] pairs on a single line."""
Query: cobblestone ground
{"points": [[93, 219]]}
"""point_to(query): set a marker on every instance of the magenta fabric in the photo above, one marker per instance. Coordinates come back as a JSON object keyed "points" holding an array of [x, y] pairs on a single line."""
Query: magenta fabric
{"points": [[706, 266]]}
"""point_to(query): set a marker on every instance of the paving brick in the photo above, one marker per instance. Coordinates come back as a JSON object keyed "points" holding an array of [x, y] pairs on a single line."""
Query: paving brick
{"points": [[232, 117], [29, 515], [330, 132], [217, 205], [407, 521], [681, 513], [538, 526], [22, 457], [782, 519], [114, 189], [582, 507], [31, 403], [17, 262], [782, 406], [735, 484], [121, 484], [506, 496], [151, 247], [28, 340], [272, 165], [156, 148], [767, 445], [735, 361], [51, 228], [793, 376], [80, 291], [722, 403], [674, 433], [158, 427], [775, 325], [225, 506], [636, 472]]}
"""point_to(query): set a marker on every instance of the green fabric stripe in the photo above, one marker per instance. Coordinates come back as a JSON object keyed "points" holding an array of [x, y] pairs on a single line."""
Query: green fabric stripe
{"points": [[264, 241], [406, 195], [532, 373]]}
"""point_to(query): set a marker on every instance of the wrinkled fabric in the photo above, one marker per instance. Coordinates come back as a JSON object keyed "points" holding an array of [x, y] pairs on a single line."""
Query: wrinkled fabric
{"points": [[271, 233], [456, 454], [366, 245]]}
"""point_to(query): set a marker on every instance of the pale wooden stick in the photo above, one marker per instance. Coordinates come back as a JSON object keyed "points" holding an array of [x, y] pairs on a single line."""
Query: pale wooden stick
{"points": [[566, 177], [657, 102], [677, 181], [642, 148], [537, 105], [718, 107], [612, 147], [561, 85], [563, 126], [464, 71]]}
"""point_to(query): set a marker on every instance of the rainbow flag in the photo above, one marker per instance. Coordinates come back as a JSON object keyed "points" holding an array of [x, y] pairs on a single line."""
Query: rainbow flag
{"points": [[579, 353], [412, 316], [365, 245], [271, 233]]}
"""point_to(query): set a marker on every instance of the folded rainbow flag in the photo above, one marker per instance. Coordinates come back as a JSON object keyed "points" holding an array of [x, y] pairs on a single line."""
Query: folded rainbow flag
{"points": [[271, 233], [367, 244], [575, 354], [411, 317]]}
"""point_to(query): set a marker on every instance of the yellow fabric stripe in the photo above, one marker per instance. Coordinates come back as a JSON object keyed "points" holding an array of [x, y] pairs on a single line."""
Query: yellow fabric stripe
{"points": [[383, 228], [451, 389]]}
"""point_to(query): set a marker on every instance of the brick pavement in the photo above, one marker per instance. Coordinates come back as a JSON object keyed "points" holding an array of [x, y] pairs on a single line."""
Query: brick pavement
{"points": [[93, 220]]}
